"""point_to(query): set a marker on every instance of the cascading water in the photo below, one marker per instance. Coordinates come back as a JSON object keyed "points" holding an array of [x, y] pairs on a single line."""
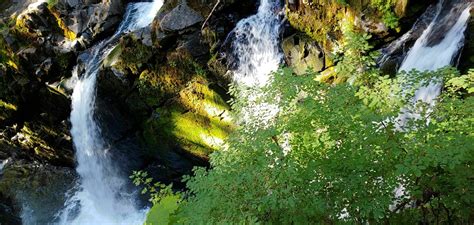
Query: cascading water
{"points": [[436, 48], [255, 47], [100, 197]]}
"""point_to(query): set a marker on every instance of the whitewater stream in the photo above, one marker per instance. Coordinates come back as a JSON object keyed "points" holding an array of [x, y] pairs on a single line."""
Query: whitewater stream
{"points": [[101, 197], [256, 52], [436, 48]]}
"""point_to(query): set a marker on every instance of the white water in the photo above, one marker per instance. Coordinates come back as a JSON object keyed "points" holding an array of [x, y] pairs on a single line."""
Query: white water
{"points": [[256, 46], [424, 57], [101, 197]]}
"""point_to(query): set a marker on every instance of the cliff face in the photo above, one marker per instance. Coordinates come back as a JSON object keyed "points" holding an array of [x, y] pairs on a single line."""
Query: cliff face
{"points": [[155, 92]]}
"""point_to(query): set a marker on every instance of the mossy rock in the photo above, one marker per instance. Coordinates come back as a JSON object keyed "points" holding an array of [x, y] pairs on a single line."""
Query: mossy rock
{"points": [[321, 19], [303, 53], [46, 143], [8, 59], [7, 110], [129, 55], [155, 86], [42, 22], [197, 121], [190, 114]]}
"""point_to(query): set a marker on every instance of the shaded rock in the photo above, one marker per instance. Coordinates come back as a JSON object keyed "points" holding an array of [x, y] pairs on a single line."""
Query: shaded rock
{"points": [[180, 18], [192, 45], [38, 21], [34, 190], [90, 19], [39, 131]]}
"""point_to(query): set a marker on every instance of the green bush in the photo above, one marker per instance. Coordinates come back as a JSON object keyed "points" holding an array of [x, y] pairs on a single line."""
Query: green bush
{"points": [[333, 154]]}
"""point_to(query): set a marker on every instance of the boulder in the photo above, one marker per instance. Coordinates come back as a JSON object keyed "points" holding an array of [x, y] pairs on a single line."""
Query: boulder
{"points": [[38, 21], [302, 53], [180, 18]]}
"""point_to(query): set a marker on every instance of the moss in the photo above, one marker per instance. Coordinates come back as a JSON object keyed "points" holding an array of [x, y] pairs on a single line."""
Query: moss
{"points": [[321, 19], [155, 86], [53, 21], [129, 55], [20, 24], [197, 120], [329, 76], [52, 3], [31, 140], [114, 56], [67, 33], [7, 110], [194, 116], [7, 57], [8, 106]]}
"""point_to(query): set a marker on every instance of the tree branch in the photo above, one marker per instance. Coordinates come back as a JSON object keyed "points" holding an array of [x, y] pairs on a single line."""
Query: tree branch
{"points": [[210, 14]]}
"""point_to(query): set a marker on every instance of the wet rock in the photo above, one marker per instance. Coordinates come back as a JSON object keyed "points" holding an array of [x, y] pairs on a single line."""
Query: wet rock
{"points": [[394, 53], [35, 191], [8, 213], [90, 19]]}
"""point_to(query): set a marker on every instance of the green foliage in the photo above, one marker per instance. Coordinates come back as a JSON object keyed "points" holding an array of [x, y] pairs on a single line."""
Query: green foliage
{"points": [[462, 84], [165, 202], [162, 212], [52, 3], [356, 60], [340, 161], [334, 155], [386, 7], [345, 158]]}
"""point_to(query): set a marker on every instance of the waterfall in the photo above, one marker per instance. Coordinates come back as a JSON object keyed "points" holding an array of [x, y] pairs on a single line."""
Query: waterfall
{"points": [[101, 197], [256, 45], [256, 52], [437, 47]]}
